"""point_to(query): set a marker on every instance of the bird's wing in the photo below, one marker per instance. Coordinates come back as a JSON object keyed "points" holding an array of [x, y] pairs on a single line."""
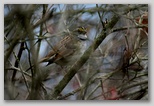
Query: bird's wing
{"points": [[66, 47], [62, 49]]}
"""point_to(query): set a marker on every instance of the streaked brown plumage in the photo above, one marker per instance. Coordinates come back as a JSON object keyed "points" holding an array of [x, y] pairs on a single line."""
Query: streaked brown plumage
{"points": [[68, 49]]}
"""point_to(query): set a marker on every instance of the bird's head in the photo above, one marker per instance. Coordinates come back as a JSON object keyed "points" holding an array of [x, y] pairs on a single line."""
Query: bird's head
{"points": [[80, 32]]}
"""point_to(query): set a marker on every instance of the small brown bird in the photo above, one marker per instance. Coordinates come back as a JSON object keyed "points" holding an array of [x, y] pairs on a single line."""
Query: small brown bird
{"points": [[68, 49]]}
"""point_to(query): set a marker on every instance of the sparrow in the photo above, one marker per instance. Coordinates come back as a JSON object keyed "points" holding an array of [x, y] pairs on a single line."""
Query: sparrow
{"points": [[68, 49]]}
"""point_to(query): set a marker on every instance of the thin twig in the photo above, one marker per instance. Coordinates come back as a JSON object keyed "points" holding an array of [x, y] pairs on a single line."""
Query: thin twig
{"points": [[100, 17], [94, 89], [20, 68]]}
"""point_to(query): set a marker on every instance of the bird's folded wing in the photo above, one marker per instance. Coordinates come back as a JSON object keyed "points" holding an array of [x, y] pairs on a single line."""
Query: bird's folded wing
{"points": [[61, 50]]}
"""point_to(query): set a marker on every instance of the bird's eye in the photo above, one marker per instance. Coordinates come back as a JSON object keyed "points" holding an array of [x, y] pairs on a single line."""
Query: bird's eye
{"points": [[82, 30]]}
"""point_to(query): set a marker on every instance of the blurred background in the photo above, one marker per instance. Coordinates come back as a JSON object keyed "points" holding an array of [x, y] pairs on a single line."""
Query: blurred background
{"points": [[116, 70]]}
